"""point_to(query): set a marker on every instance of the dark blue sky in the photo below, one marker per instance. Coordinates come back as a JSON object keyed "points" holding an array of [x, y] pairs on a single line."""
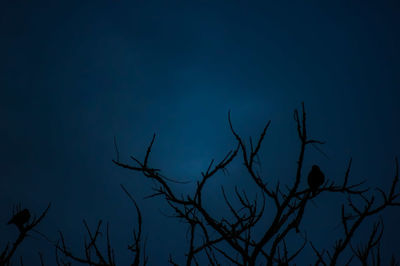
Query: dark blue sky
{"points": [[75, 74]]}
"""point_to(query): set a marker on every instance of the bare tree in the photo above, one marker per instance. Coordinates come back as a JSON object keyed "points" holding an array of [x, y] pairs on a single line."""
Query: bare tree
{"points": [[233, 238], [258, 227]]}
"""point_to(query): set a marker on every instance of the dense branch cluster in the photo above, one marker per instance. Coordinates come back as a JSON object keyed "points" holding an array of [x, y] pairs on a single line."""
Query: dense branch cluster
{"points": [[234, 239], [244, 237]]}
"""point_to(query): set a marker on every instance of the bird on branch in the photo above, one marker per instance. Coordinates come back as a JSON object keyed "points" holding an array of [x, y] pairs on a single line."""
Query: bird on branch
{"points": [[20, 218], [315, 179]]}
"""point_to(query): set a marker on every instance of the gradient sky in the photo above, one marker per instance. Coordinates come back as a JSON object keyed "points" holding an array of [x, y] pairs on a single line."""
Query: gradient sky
{"points": [[74, 74]]}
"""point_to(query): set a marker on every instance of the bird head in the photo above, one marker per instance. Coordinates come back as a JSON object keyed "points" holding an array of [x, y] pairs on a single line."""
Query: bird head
{"points": [[315, 167]]}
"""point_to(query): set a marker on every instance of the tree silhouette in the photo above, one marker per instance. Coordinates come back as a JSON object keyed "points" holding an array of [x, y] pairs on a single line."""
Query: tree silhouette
{"points": [[233, 237], [258, 227]]}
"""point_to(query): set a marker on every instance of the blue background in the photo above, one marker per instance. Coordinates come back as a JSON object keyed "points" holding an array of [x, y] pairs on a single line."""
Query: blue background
{"points": [[74, 74]]}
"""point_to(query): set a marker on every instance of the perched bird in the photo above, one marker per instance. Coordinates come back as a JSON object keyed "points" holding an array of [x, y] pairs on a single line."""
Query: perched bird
{"points": [[20, 218], [315, 179]]}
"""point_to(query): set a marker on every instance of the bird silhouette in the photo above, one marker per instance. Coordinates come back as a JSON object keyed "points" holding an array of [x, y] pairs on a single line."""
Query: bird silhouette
{"points": [[20, 218], [315, 179]]}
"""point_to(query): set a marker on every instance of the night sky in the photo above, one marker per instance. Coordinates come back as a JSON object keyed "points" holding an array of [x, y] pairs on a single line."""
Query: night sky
{"points": [[74, 74]]}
